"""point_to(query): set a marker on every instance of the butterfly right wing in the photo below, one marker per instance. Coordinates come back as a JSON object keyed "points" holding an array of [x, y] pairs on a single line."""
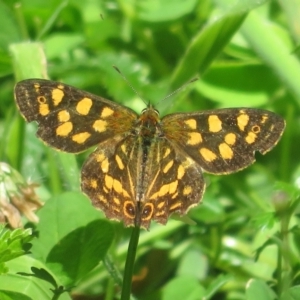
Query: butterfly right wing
{"points": [[224, 141]]}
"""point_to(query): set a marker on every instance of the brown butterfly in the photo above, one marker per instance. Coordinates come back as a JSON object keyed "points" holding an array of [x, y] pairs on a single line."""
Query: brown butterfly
{"points": [[145, 168]]}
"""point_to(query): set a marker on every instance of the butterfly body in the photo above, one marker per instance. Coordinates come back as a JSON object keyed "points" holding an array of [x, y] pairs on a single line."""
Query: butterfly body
{"points": [[145, 167]]}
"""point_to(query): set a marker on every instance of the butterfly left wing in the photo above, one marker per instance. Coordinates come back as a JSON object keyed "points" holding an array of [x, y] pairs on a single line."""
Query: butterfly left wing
{"points": [[225, 140], [69, 119]]}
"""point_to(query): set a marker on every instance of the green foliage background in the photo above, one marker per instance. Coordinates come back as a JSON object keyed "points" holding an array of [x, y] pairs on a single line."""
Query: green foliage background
{"points": [[243, 241]]}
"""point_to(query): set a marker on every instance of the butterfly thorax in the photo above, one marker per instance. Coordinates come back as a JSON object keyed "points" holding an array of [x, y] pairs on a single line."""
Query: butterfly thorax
{"points": [[148, 124]]}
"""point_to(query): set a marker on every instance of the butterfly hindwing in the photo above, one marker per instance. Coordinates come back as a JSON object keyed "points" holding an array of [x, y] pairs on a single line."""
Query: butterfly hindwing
{"points": [[117, 181]]}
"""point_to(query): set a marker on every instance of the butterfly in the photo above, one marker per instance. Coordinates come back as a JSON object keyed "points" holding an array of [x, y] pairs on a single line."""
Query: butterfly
{"points": [[145, 167]]}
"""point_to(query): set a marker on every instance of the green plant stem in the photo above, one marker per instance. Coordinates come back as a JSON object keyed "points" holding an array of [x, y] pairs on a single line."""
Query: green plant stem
{"points": [[109, 290], [57, 293], [216, 242], [285, 274], [279, 269], [134, 239], [55, 297], [286, 145], [113, 271], [49, 23], [21, 21]]}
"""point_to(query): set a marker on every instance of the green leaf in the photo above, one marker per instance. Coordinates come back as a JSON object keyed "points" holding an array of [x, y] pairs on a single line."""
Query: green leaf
{"points": [[9, 295], [76, 231], [209, 42], [163, 11], [216, 284], [65, 213], [262, 37], [264, 221], [292, 293], [80, 251], [210, 212], [69, 169], [55, 43], [12, 243], [183, 287], [10, 31], [23, 53], [193, 263], [32, 287], [238, 85], [257, 289], [204, 47], [41, 273]]}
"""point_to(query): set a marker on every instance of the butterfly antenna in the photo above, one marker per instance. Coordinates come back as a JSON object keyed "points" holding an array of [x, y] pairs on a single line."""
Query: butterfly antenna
{"points": [[129, 84], [180, 88]]}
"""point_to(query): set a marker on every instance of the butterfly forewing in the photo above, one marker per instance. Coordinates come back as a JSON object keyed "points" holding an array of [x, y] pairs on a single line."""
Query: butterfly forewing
{"points": [[224, 141], [70, 119]]}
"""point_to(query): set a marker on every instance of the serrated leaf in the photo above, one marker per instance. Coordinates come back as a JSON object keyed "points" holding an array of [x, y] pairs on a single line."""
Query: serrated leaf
{"points": [[32, 287]]}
